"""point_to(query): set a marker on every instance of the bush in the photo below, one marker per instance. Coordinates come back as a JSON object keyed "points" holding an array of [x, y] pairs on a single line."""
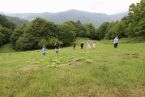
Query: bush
{"points": [[4, 35]]}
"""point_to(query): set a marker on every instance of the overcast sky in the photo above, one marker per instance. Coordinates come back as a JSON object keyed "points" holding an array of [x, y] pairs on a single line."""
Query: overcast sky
{"points": [[36, 6]]}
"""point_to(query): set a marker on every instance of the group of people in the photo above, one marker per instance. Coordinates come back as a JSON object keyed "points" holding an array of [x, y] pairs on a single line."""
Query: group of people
{"points": [[89, 45], [56, 46]]}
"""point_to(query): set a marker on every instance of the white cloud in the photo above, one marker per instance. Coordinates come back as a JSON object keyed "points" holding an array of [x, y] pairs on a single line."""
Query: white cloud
{"points": [[35, 6]]}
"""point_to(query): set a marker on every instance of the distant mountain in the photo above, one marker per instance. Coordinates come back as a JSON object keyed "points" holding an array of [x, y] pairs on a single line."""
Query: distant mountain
{"points": [[84, 17], [16, 20]]}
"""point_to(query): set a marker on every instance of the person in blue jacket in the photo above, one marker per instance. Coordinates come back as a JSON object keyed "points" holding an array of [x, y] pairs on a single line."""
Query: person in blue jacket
{"points": [[44, 50]]}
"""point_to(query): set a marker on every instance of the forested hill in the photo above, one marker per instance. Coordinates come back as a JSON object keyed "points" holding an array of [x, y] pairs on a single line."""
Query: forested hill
{"points": [[16, 20], [74, 15]]}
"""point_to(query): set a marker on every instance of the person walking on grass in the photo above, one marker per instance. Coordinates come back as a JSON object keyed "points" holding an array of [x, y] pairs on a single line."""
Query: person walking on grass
{"points": [[44, 50], [82, 45], [74, 45], [89, 44], [57, 47], [116, 41]]}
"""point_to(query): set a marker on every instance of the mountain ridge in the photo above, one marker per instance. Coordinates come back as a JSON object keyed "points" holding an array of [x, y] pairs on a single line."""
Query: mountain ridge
{"points": [[74, 15]]}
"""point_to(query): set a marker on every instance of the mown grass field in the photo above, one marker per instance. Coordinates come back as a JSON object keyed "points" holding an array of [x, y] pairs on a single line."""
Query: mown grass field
{"points": [[100, 72]]}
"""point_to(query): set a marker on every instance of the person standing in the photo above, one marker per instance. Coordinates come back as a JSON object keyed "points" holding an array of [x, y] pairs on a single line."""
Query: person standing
{"points": [[82, 45], [44, 50], [57, 47], [116, 41], [94, 45], [89, 44]]}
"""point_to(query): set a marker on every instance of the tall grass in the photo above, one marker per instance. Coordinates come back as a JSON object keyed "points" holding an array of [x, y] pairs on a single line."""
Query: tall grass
{"points": [[100, 72]]}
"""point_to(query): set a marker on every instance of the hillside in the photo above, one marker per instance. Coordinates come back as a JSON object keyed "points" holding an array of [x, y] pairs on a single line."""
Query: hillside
{"points": [[15, 20], [100, 72], [84, 17]]}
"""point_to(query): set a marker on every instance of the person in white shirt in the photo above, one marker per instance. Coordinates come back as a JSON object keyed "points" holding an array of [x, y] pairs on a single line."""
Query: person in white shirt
{"points": [[116, 41], [89, 44]]}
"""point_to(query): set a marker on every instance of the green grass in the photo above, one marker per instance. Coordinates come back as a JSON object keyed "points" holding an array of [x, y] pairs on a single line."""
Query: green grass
{"points": [[6, 49], [100, 72]]}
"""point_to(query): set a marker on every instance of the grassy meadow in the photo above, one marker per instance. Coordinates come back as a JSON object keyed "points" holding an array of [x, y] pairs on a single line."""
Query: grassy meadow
{"points": [[100, 72]]}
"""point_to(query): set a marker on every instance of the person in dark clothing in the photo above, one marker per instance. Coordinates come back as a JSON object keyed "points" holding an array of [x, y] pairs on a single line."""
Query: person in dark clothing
{"points": [[82, 45], [57, 47], [74, 45]]}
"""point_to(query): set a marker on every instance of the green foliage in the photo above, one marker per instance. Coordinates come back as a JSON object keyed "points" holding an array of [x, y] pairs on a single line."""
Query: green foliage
{"points": [[16, 34], [6, 23], [43, 42], [80, 29], [90, 30], [132, 25], [136, 19], [66, 35], [4, 35], [52, 41], [6, 29], [76, 27], [102, 30], [26, 42], [35, 34], [41, 32]]}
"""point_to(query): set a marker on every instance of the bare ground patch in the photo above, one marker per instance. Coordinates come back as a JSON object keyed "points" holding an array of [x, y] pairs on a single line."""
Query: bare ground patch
{"points": [[82, 61], [77, 62], [118, 93], [29, 67], [137, 93], [115, 92]]}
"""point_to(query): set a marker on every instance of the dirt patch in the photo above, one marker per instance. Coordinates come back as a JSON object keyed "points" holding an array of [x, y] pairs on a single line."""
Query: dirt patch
{"points": [[29, 68], [77, 62], [137, 93], [119, 93], [115, 92]]}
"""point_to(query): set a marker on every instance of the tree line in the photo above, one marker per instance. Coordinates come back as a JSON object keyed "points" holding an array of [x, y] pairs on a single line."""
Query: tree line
{"points": [[34, 34], [6, 29], [132, 25]]}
